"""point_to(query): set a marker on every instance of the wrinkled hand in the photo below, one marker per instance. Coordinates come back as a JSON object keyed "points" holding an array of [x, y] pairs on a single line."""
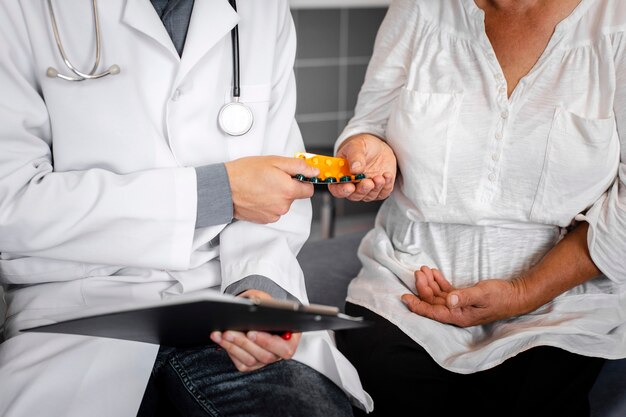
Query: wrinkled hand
{"points": [[486, 302], [263, 188], [369, 155], [253, 350]]}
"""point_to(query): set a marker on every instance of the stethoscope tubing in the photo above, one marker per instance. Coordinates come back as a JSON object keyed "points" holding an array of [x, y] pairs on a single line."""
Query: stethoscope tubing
{"points": [[81, 76], [234, 35]]}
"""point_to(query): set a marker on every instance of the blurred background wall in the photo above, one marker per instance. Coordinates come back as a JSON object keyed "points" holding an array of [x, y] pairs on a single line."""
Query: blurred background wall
{"points": [[335, 42]]}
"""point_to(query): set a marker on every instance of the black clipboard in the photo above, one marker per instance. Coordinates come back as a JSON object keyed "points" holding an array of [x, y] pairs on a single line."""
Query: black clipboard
{"points": [[188, 321]]}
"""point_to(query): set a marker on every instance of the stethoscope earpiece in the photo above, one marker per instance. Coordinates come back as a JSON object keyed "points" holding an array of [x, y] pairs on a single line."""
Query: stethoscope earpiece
{"points": [[52, 72]]}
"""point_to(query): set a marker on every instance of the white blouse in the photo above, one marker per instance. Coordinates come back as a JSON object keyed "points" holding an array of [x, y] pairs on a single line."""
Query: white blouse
{"points": [[488, 183]]}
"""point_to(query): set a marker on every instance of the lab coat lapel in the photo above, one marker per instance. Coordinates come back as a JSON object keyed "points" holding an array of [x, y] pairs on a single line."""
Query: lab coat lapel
{"points": [[211, 20], [141, 16]]}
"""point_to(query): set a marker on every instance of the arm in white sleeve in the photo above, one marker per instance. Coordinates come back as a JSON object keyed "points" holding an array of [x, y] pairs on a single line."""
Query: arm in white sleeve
{"points": [[607, 217], [143, 219], [387, 71], [270, 250]]}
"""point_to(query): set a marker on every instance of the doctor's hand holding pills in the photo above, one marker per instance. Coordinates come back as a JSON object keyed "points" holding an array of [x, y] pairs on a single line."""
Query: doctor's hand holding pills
{"points": [[263, 188]]}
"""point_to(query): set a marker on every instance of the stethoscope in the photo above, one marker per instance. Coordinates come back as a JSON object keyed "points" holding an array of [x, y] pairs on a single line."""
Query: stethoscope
{"points": [[79, 76], [234, 118]]}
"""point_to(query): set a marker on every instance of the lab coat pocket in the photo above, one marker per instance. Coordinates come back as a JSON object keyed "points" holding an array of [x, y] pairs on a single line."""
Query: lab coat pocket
{"points": [[420, 131], [257, 98], [580, 163]]}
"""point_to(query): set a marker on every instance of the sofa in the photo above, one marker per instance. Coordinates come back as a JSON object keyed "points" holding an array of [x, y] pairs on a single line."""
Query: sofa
{"points": [[330, 264]]}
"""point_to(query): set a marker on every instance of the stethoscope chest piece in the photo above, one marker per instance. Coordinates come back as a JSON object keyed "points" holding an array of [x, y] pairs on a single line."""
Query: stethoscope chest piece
{"points": [[235, 118]]}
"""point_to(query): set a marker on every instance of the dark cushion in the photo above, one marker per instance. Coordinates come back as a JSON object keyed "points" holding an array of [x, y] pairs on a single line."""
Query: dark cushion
{"points": [[329, 265]]}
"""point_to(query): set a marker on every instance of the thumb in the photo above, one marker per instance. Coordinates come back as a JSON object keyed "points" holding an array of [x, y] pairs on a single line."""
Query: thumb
{"points": [[354, 152], [464, 298], [293, 166]]}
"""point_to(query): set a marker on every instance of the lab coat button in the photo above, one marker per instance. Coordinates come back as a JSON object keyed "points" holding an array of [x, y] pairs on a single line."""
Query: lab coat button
{"points": [[504, 114], [495, 156], [499, 135], [176, 95], [492, 177]]}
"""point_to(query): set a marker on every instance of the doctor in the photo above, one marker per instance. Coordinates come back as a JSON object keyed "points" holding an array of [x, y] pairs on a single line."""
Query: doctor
{"points": [[125, 177]]}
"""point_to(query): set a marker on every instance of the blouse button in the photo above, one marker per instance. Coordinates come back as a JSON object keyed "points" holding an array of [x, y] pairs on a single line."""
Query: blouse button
{"points": [[492, 177], [495, 156], [499, 135], [504, 114]]}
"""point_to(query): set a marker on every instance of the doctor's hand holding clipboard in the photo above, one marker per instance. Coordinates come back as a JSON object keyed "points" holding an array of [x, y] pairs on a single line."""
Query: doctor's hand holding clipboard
{"points": [[253, 350]]}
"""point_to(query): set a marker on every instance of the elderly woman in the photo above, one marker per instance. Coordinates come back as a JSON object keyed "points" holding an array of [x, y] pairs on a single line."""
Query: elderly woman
{"points": [[496, 270]]}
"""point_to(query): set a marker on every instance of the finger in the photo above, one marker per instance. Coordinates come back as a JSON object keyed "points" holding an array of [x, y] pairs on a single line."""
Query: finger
{"points": [[423, 289], [379, 183], [294, 166], [243, 367], [389, 180], [301, 190], [341, 190], [255, 294], [428, 290], [432, 282], [247, 343], [443, 283], [428, 272], [354, 153], [387, 188], [230, 341], [439, 313], [275, 344], [472, 296], [362, 189]]}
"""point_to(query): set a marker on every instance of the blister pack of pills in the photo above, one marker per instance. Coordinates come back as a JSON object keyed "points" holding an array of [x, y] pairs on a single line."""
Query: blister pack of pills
{"points": [[332, 169]]}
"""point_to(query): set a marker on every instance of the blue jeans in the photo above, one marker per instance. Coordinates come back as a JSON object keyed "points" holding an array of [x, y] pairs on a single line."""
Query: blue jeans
{"points": [[202, 382]]}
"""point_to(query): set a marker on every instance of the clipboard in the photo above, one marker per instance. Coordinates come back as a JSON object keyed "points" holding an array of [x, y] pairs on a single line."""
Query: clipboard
{"points": [[188, 321]]}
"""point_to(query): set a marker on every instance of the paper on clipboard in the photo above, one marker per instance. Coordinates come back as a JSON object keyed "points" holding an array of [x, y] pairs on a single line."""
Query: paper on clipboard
{"points": [[186, 321]]}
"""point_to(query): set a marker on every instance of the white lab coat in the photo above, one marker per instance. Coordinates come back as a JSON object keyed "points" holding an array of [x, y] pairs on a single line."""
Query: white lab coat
{"points": [[98, 190]]}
